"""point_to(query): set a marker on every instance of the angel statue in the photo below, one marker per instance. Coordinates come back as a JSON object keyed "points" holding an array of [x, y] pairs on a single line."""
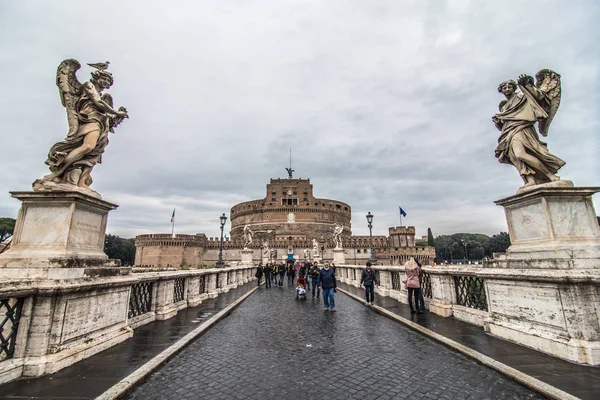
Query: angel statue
{"points": [[337, 236], [519, 143], [315, 250], [91, 116], [248, 236]]}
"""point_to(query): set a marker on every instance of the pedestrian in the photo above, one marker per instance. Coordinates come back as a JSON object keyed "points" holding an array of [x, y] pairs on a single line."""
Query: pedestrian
{"points": [[328, 286], [333, 267], [281, 273], [420, 284], [268, 270], [411, 282], [259, 273], [313, 275], [292, 273], [275, 273], [369, 279], [307, 266]]}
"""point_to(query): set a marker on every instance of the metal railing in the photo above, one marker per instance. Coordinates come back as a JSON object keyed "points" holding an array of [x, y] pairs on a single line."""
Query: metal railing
{"points": [[10, 314], [426, 285], [396, 280], [140, 301], [178, 289], [470, 292]]}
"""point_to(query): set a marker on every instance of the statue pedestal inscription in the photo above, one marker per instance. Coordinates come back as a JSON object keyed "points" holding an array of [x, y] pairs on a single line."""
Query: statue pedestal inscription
{"points": [[247, 257], [59, 235], [541, 292], [339, 256]]}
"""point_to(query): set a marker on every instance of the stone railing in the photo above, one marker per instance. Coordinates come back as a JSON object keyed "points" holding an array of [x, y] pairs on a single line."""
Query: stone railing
{"points": [[448, 290], [550, 310], [46, 325]]}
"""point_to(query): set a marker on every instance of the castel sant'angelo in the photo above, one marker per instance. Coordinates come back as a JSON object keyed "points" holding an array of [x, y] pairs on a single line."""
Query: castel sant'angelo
{"points": [[289, 219]]}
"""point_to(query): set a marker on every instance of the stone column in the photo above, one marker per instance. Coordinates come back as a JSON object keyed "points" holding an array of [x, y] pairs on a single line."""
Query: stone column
{"points": [[385, 283], [211, 282], [165, 307], [443, 294], [193, 291]]}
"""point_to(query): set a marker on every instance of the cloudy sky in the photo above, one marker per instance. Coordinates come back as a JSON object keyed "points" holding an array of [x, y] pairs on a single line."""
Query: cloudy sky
{"points": [[385, 103]]}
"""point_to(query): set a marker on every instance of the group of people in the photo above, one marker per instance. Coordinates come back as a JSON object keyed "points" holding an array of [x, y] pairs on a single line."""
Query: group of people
{"points": [[322, 278], [306, 275]]}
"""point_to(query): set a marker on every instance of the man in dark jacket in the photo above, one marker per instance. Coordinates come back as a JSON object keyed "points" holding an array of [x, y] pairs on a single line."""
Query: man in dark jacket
{"points": [[268, 271], [328, 285], [281, 273], [259, 273], [369, 279], [313, 275]]}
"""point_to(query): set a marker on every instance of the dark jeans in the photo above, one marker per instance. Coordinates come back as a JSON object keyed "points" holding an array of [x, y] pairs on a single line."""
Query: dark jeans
{"points": [[281, 275], [275, 278], [329, 298], [370, 293], [315, 287], [259, 280], [416, 292], [267, 281]]}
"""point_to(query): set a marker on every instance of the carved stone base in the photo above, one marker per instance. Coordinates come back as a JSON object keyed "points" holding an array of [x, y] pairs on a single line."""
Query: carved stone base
{"points": [[59, 235], [247, 257], [551, 228], [339, 256]]}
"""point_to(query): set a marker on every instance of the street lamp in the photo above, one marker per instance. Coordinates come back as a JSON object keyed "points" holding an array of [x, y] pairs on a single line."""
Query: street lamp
{"points": [[466, 254], [372, 259], [220, 264], [354, 247]]}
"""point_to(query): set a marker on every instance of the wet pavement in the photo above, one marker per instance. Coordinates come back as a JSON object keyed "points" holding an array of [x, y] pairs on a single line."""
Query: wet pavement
{"points": [[578, 380], [274, 347], [89, 378]]}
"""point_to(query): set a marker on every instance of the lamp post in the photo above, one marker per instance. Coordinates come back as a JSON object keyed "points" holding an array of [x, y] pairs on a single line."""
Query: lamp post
{"points": [[220, 263], [260, 247], [354, 247], [466, 254], [372, 259]]}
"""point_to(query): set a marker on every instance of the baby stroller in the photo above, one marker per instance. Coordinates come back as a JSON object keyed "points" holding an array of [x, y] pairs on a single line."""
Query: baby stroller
{"points": [[301, 288]]}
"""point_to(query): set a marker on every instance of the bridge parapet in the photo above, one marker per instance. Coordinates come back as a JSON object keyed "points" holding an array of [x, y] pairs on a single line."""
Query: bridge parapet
{"points": [[479, 294], [52, 324]]}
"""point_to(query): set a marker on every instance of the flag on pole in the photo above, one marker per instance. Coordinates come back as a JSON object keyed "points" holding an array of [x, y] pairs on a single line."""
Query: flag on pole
{"points": [[401, 212], [173, 216]]}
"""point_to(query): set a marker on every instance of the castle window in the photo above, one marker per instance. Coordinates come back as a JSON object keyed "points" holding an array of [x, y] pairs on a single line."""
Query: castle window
{"points": [[316, 204], [338, 206], [295, 202]]}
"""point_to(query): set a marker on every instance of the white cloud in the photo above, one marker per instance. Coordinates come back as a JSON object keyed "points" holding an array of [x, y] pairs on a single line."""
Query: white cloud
{"points": [[384, 103]]}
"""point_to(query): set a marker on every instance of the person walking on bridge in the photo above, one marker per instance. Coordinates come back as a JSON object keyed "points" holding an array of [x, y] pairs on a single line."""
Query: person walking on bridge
{"points": [[275, 273], [329, 286], [259, 273], [411, 282], [369, 279], [313, 275], [281, 273], [268, 270]]}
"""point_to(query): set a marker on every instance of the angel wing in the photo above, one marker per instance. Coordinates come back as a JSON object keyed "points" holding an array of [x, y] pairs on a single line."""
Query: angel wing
{"points": [[70, 90], [548, 82]]}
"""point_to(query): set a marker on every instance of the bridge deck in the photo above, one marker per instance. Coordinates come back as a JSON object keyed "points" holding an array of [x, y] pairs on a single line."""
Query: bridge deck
{"points": [[274, 347]]}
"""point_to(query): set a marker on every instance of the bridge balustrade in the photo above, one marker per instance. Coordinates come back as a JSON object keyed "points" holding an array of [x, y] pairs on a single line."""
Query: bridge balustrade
{"points": [[46, 325]]}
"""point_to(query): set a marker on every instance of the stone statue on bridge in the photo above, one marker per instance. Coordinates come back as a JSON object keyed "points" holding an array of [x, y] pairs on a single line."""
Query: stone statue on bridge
{"points": [[248, 236], [519, 144], [91, 117], [337, 236], [315, 250]]}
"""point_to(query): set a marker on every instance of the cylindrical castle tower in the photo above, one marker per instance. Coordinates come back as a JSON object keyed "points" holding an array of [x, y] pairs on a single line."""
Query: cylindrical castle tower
{"points": [[290, 209]]}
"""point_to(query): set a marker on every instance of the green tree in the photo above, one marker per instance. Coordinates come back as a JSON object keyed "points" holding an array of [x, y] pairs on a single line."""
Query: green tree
{"points": [[118, 248], [498, 243], [430, 239], [7, 225]]}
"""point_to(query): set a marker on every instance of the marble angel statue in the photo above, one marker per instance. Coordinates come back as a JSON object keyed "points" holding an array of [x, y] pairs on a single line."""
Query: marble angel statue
{"points": [[248, 236], [315, 250], [91, 116], [519, 143], [337, 236]]}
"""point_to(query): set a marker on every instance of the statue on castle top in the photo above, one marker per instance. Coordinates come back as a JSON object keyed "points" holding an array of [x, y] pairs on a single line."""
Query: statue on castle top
{"points": [[337, 236], [91, 117], [519, 144], [290, 172], [248, 236]]}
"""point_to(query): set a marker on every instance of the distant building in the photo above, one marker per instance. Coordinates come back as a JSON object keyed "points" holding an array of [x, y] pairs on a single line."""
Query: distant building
{"points": [[288, 217]]}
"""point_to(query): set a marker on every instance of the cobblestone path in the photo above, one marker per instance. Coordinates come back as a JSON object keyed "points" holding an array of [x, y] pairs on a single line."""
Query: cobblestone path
{"points": [[275, 347]]}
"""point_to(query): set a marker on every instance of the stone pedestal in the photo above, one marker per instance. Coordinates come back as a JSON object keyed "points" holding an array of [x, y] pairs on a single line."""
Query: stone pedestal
{"points": [[59, 235], [339, 256], [552, 228], [542, 292], [247, 257]]}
